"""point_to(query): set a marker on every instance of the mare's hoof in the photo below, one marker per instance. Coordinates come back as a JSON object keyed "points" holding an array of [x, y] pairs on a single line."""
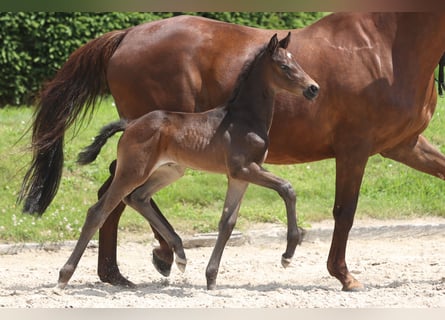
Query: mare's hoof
{"points": [[116, 279], [181, 264], [161, 266], [354, 286], [285, 262], [120, 282], [124, 283]]}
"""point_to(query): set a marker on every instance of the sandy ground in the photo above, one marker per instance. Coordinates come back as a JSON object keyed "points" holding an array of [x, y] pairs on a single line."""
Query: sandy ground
{"points": [[402, 264]]}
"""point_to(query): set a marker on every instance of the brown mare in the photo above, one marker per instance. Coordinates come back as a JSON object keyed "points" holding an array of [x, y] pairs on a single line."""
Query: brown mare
{"points": [[231, 139], [376, 71]]}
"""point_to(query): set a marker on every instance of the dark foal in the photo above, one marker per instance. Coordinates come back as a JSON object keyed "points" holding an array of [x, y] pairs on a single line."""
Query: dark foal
{"points": [[155, 149]]}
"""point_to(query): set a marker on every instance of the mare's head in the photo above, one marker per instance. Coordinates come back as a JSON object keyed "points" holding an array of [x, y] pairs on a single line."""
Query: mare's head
{"points": [[286, 73]]}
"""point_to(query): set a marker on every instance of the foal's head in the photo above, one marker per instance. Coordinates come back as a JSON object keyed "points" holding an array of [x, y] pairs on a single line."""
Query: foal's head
{"points": [[286, 73]]}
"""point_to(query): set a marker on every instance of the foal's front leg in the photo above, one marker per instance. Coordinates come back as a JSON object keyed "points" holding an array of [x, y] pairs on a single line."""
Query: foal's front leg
{"points": [[235, 192], [254, 173]]}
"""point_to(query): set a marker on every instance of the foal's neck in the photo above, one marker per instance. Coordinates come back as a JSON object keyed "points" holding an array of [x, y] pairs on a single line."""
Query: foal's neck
{"points": [[255, 98]]}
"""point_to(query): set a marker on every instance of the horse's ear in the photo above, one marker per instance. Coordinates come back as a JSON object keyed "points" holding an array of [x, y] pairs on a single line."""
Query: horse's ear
{"points": [[273, 44], [285, 42]]}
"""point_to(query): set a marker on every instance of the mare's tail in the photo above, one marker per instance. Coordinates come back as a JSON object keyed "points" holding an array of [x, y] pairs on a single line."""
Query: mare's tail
{"points": [[90, 153], [72, 94]]}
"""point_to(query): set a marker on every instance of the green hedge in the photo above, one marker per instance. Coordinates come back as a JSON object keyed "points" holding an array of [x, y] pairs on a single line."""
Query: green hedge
{"points": [[33, 45]]}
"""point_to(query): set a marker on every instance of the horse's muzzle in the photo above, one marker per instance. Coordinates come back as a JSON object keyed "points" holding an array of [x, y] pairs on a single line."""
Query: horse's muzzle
{"points": [[311, 92]]}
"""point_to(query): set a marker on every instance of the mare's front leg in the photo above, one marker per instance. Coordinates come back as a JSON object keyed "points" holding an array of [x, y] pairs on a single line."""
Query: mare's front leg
{"points": [[349, 173], [235, 192]]}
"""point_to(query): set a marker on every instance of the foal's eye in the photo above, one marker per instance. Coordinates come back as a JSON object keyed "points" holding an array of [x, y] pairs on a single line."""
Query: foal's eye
{"points": [[284, 67]]}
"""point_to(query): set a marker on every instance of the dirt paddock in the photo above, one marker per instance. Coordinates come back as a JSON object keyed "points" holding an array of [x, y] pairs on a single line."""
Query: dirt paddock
{"points": [[401, 263]]}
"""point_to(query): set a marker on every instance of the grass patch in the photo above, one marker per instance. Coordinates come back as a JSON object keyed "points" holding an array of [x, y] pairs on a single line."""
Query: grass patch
{"points": [[194, 203]]}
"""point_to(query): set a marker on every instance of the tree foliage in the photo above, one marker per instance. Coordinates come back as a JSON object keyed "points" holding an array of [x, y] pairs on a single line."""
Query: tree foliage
{"points": [[34, 45]]}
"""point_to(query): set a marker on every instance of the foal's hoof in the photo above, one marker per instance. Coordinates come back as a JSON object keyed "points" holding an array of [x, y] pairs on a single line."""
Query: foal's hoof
{"points": [[285, 262], [161, 266], [59, 287], [211, 285], [58, 290], [181, 263]]}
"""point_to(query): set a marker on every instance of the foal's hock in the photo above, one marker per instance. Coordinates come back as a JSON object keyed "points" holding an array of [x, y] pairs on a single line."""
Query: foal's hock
{"points": [[155, 149]]}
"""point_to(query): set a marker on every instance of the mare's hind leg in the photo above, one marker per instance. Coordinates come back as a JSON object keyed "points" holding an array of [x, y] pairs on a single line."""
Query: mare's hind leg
{"points": [[253, 173], [235, 193], [139, 199], [420, 155]]}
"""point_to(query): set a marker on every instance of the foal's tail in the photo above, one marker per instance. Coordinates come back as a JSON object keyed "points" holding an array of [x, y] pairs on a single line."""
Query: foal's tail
{"points": [[441, 84], [69, 97], [90, 153]]}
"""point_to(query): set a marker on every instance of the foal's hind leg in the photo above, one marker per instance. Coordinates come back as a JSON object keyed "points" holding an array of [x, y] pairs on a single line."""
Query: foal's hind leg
{"points": [[139, 199], [96, 216], [163, 254], [235, 193], [108, 269], [129, 175]]}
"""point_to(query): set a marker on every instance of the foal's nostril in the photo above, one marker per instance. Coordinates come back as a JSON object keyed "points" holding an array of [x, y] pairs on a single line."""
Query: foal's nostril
{"points": [[311, 92], [314, 89]]}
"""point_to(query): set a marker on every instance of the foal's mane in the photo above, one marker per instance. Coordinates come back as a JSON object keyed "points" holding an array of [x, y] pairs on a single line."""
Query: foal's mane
{"points": [[244, 73]]}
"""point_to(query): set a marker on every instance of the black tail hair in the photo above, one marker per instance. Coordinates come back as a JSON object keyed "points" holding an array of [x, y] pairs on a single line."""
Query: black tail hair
{"points": [[90, 153], [71, 96], [441, 84]]}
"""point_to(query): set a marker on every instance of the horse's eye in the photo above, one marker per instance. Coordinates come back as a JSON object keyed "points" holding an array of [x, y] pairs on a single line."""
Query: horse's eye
{"points": [[284, 67]]}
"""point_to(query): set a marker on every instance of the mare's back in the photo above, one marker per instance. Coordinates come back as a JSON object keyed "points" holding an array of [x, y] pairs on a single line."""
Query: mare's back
{"points": [[187, 63]]}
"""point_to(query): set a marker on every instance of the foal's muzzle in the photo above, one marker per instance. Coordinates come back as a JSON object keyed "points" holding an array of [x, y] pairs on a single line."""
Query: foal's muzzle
{"points": [[311, 92]]}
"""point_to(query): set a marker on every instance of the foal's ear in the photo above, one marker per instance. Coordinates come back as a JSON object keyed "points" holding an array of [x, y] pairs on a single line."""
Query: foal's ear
{"points": [[285, 42], [273, 44]]}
